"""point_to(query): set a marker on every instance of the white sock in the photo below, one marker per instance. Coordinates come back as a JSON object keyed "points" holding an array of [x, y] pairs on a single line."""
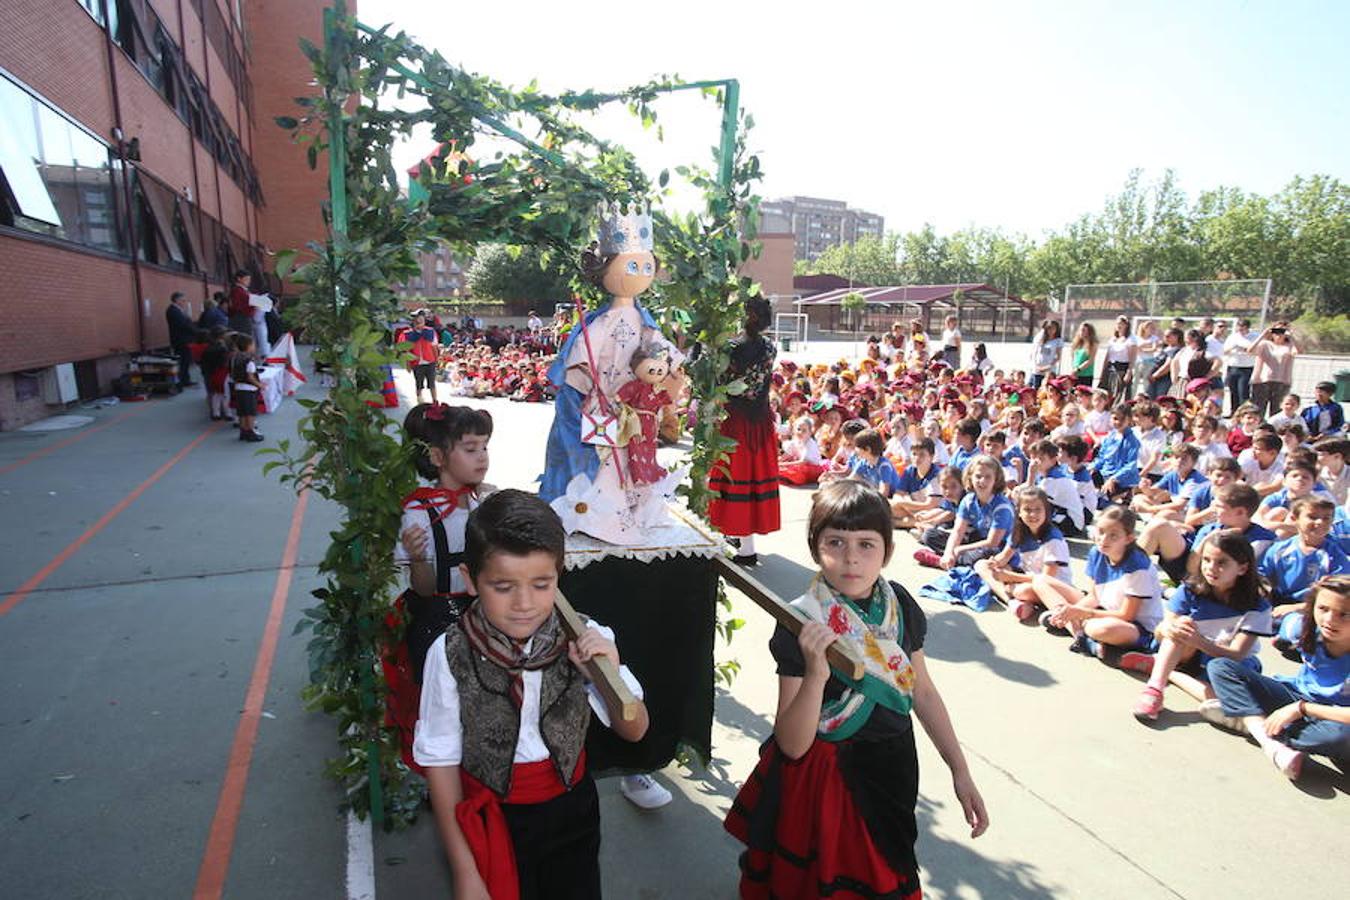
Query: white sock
{"points": [[747, 547]]}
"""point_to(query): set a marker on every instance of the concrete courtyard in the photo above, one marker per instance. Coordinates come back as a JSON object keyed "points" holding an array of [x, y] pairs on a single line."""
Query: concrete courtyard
{"points": [[154, 744]]}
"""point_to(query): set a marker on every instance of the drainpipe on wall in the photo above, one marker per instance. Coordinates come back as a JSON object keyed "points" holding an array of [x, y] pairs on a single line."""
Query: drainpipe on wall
{"points": [[127, 197]]}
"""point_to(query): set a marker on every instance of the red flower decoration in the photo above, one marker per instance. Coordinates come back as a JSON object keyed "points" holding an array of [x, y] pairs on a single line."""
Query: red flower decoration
{"points": [[894, 662], [838, 621], [436, 411]]}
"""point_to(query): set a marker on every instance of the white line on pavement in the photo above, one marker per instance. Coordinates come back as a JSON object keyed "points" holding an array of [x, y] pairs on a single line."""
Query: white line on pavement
{"points": [[360, 859]]}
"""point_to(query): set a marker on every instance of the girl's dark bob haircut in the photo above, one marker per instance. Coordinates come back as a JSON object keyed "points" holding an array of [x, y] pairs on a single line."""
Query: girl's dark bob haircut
{"points": [[441, 426], [849, 505]]}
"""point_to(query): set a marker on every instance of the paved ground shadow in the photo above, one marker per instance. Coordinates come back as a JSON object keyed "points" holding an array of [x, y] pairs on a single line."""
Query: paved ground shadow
{"points": [[953, 636], [954, 868]]}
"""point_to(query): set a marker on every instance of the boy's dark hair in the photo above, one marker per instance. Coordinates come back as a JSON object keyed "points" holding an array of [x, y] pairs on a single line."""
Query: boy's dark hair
{"points": [[1148, 409], [1073, 446], [1190, 451], [1302, 465], [1295, 397], [1327, 386], [924, 444], [1313, 503], [1034, 425], [1265, 441], [1207, 421], [997, 436], [849, 505], [1292, 428], [1122, 410], [1044, 448], [1224, 464], [1265, 428], [969, 428], [441, 426], [852, 428], [1246, 591], [1305, 455], [1336, 445], [514, 522], [1335, 584], [869, 439], [1240, 495]]}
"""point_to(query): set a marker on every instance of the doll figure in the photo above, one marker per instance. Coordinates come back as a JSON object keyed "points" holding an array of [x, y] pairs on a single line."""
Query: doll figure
{"points": [[645, 397]]}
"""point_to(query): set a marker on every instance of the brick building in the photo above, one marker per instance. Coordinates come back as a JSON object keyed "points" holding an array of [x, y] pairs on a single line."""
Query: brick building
{"points": [[440, 278], [138, 156], [818, 224]]}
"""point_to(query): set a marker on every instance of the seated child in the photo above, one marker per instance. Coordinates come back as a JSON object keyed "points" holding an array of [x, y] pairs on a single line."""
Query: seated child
{"points": [[1292, 565], [800, 461], [870, 466], [1220, 613], [1073, 452], [932, 429], [1058, 484], [1289, 717], [1264, 469], [1288, 411], [967, 434], [1246, 419], [983, 519], [838, 466], [1124, 603], [943, 514], [507, 666], [1300, 480], [1035, 547], [1208, 443], [1098, 421], [1153, 440], [1332, 454], [1223, 470], [1324, 417], [829, 809], [1071, 423], [1116, 464], [918, 487], [1168, 497], [1234, 504]]}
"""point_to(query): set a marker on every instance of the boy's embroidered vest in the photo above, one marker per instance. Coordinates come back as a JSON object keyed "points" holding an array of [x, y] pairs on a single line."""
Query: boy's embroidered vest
{"points": [[491, 721]]}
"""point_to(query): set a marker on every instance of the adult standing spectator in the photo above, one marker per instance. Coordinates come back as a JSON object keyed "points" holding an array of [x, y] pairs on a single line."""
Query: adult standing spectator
{"points": [[1122, 351], [241, 314], [1045, 351], [1150, 354], [181, 333], [1160, 379], [1214, 344], [1237, 351], [951, 342], [1084, 353], [1191, 363], [534, 323], [746, 485], [1273, 374], [425, 351], [212, 314]]}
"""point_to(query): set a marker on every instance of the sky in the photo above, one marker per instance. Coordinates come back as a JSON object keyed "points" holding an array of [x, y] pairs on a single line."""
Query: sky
{"points": [[1016, 115]]}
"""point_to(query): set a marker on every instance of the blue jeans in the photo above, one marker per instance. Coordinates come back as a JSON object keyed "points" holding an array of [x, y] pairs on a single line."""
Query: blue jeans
{"points": [[1159, 388], [1242, 692], [1239, 384]]}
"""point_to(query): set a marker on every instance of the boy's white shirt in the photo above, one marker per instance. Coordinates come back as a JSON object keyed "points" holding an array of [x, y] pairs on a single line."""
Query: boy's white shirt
{"points": [[439, 735]]}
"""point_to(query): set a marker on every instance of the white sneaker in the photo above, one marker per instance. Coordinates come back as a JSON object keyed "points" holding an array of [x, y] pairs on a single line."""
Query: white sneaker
{"points": [[644, 792], [1212, 712]]}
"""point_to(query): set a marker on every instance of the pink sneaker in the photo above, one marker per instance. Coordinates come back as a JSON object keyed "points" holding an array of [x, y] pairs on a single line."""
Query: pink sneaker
{"points": [[1134, 661], [1288, 760], [926, 557], [1148, 704]]}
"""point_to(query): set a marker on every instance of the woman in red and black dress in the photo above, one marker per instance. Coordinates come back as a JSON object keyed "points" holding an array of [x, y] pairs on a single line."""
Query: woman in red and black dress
{"points": [[745, 487]]}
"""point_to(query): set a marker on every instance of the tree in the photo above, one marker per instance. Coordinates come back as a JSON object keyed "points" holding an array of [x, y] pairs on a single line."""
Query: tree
{"points": [[855, 304], [871, 260], [521, 277]]}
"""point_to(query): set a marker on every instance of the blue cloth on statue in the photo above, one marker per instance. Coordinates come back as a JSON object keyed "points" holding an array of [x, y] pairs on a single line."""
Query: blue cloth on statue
{"points": [[565, 456], [960, 584]]}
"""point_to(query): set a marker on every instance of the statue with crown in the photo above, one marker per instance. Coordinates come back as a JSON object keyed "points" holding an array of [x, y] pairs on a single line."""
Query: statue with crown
{"points": [[613, 374]]}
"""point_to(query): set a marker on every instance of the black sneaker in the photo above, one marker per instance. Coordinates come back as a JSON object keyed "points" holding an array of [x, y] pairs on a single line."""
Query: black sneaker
{"points": [[252, 437], [1056, 630], [749, 561]]}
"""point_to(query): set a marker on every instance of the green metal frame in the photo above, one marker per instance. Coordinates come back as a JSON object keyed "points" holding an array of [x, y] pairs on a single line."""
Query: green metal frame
{"points": [[338, 201]]}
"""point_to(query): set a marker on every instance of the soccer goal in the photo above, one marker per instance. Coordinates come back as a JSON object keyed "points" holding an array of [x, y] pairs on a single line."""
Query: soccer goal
{"points": [[1163, 301]]}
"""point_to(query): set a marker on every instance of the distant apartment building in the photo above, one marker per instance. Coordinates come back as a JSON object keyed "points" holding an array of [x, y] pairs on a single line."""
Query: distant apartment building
{"points": [[818, 224], [441, 277]]}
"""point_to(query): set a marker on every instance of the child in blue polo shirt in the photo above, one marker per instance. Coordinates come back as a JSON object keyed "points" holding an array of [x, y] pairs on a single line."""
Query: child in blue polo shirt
{"points": [[1054, 479], [1117, 461], [1073, 450], [1220, 472], [869, 465], [918, 487], [1124, 604], [1234, 505], [983, 519], [939, 518], [1293, 565], [967, 433], [1218, 614], [1308, 712], [1167, 498], [1035, 547], [1300, 480]]}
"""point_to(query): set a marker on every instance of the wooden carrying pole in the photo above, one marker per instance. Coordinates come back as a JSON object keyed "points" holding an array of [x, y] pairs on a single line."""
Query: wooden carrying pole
{"points": [[842, 655], [599, 669]]}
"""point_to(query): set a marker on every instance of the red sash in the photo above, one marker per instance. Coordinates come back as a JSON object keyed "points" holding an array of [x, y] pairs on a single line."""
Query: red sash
{"points": [[483, 823]]}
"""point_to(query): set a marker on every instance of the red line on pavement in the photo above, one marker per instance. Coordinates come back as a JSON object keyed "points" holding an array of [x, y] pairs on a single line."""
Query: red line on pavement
{"points": [[220, 842], [28, 586], [38, 454]]}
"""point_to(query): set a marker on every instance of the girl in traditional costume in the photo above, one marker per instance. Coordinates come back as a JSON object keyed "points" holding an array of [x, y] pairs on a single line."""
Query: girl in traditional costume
{"points": [[453, 455], [829, 809]]}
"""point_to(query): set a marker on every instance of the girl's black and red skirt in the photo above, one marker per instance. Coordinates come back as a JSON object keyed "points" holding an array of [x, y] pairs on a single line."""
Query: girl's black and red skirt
{"points": [[839, 822], [745, 487]]}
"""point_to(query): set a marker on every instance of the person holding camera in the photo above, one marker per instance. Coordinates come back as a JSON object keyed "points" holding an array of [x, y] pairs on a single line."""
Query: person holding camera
{"points": [[1274, 350]]}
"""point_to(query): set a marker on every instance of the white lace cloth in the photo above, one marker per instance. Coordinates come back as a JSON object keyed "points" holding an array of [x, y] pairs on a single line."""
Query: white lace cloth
{"points": [[681, 535]]}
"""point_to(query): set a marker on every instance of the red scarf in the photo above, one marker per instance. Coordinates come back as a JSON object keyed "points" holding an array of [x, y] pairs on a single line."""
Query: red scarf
{"points": [[442, 501]]}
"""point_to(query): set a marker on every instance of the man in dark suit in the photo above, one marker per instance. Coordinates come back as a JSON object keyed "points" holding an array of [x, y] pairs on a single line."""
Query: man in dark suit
{"points": [[181, 333]]}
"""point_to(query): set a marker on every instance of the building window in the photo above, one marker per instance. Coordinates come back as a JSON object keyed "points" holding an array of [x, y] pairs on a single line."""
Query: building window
{"points": [[94, 8], [55, 178]]}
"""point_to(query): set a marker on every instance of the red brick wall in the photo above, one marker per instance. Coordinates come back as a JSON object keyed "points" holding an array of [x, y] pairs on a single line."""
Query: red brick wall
{"points": [[165, 138], [71, 69], [156, 286], [62, 305], [294, 192]]}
